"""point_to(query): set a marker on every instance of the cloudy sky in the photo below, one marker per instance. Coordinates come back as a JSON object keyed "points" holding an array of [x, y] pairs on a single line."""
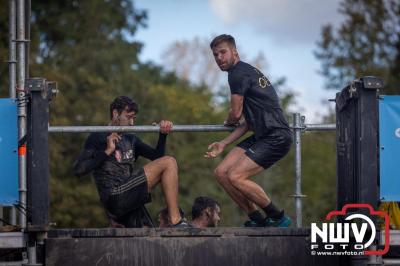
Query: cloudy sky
{"points": [[285, 31]]}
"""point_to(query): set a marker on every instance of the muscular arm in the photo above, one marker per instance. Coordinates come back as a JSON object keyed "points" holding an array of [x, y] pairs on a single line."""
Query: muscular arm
{"points": [[235, 112], [236, 134], [217, 147], [150, 153]]}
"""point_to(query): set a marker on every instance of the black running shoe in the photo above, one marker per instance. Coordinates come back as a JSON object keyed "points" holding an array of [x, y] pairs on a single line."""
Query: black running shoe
{"points": [[250, 223], [181, 224]]}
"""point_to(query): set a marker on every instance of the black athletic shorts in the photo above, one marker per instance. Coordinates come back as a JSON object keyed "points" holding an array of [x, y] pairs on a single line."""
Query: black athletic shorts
{"points": [[128, 196], [268, 150]]}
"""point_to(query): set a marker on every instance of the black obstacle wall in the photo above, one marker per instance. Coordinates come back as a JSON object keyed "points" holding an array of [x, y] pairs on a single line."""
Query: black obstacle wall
{"points": [[357, 142]]}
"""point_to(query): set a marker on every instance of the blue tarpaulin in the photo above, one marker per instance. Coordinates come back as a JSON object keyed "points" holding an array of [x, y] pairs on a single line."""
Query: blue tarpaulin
{"points": [[8, 152], [389, 137]]}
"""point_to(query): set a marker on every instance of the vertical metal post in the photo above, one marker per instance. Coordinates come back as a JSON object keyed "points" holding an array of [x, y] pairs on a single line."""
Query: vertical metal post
{"points": [[12, 48], [21, 107], [27, 35], [12, 31], [22, 123], [297, 161], [31, 254], [13, 215]]}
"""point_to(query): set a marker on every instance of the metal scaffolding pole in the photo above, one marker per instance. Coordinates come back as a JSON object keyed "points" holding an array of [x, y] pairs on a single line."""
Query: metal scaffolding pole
{"points": [[147, 129], [13, 216], [176, 128], [12, 49], [21, 107], [27, 35], [12, 61], [297, 128], [319, 127]]}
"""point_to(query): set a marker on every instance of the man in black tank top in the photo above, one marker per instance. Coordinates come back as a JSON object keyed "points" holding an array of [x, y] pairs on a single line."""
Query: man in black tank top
{"points": [[255, 99]]}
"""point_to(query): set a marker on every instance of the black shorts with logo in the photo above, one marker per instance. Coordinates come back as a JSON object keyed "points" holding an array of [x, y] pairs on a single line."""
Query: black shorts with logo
{"points": [[128, 196], [268, 150]]}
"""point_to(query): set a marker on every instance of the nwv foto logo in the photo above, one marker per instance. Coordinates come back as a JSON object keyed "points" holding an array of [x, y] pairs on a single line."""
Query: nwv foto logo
{"points": [[337, 235]]}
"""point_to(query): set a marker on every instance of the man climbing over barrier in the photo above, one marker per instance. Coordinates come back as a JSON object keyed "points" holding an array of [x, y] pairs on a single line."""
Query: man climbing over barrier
{"points": [[111, 156], [205, 212], [252, 96]]}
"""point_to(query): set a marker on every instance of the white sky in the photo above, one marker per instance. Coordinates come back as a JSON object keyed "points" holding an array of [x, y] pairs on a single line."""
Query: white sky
{"points": [[285, 31]]}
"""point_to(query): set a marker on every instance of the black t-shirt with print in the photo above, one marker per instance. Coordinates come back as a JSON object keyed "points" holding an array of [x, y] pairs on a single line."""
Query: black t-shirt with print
{"points": [[114, 169], [261, 106]]}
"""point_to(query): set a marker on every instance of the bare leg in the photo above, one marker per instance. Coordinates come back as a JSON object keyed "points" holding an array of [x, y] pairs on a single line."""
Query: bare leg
{"points": [[238, 176], [165, 170], [222, 176]]}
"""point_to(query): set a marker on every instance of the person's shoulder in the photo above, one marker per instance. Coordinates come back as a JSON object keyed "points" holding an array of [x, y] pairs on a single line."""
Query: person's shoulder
{"points": [[244, 66], [97, 135], [132, 137], [96, 139], [240, 68]]}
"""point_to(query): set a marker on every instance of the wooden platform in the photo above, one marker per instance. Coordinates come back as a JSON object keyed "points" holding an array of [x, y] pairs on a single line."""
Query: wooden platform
{"points": [[172, 247]]}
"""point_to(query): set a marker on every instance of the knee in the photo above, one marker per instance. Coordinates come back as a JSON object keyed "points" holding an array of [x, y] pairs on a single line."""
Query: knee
{"points": [[233, 178], [170, 161], [220, 174]]}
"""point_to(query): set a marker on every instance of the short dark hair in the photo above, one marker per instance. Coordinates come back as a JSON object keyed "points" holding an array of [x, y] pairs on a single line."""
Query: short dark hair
{"points": [[223, 38], [202, 203], [121, 103]]}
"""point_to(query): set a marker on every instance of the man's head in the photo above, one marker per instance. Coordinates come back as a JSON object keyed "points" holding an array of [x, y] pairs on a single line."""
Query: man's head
{"points": [[205, 212], [224, 51], [162, 216], [123, 111]]}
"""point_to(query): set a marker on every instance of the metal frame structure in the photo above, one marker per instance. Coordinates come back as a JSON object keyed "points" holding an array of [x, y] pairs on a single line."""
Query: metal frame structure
{"points": [[18, 25], [21, 96], [12, 61], [19, 29], [12, 64], [176, 128], [298, 127]]}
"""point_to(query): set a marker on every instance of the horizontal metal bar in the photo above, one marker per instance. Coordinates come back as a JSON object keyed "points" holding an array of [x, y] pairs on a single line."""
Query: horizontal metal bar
{"points": [[319, 127], [176, 128]]}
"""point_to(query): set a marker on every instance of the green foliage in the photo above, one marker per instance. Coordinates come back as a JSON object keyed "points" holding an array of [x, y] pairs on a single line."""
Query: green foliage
{"points": [[367, 43]]}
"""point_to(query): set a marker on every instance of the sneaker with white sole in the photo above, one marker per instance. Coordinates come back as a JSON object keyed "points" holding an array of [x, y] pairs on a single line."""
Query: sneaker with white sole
{"points": [[181, 224]]}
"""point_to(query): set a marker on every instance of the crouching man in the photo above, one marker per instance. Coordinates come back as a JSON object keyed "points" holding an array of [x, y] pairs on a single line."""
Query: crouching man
{"points": [[123, 187]]}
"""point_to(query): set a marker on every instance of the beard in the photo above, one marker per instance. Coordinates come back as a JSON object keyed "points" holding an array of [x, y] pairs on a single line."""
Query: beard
{"points": [[227, 65]]}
